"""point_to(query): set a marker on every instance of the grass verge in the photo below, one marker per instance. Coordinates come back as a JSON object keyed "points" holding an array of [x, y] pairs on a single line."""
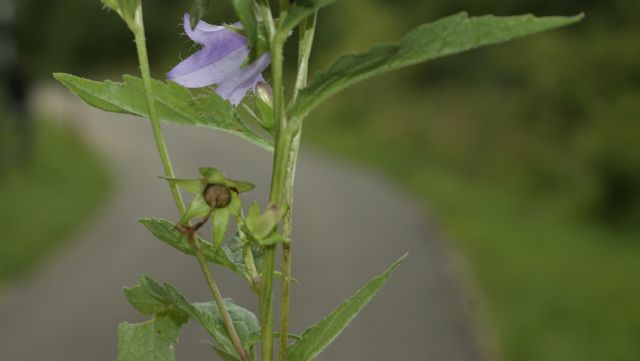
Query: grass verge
{"points": [[46, 197], [558, 286]]}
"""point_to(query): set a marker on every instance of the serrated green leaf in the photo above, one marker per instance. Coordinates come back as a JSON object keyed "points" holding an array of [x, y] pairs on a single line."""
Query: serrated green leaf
{"points": [[170, 296], [316, 338], [142, 301], [229, 255], [299, 11], [208, 315], [444, 37], [150, 341], [175, 104], [245, 322]]}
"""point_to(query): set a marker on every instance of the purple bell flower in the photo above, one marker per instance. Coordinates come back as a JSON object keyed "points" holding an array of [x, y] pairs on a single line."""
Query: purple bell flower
{"points": [[219, 62]]}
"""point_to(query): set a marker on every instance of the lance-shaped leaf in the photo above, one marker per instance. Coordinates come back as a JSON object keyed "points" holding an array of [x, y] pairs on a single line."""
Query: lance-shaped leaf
{"points": [[229, 255], [175, 104], [152, 340], [444, 37], [319, 336], [300, 10]]}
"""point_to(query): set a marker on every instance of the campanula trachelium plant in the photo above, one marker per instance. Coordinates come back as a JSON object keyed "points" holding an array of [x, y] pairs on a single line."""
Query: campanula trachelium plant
{"points": [[229, 66]]}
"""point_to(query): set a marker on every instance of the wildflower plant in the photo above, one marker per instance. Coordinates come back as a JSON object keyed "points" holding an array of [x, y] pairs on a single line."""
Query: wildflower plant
{"points": [[228, 68]]}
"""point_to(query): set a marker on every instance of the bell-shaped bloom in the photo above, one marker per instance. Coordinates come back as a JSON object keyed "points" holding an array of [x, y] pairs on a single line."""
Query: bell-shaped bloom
{"points": [[220, 62]]}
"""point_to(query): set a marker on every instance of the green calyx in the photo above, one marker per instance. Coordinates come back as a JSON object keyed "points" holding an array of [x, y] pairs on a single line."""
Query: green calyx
{"points": [[215, 195], [262, 227]]}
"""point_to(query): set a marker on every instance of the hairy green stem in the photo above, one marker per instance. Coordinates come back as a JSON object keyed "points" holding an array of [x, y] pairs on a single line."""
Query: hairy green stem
{"points": [[141, 45], [284, 8], [305, 44], [215, 292], [278, 180], [143, 58]]}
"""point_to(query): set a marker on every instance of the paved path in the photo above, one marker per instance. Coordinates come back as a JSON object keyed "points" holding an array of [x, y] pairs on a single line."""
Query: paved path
{"points": [[349, 226]]}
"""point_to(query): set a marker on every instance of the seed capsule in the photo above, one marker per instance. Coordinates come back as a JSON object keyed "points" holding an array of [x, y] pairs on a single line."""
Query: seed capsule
{"points": [[217, 195]]}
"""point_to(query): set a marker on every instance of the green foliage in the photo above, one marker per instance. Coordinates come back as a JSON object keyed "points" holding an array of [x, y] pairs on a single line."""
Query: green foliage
{"points": [[125, 8], [153, 340], [228, 255], [444, 37], [262, 226], [142, 301], [220, 218], [207, 315], [300, 11], [58, 186], [244, 12], [319, 336], [175, 104]]}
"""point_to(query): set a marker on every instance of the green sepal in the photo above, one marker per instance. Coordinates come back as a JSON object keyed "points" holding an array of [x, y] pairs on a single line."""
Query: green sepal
{"points": [[198, 207], [214, 176], [220, 221], [318, 337], [195, 186], [261, 227]]}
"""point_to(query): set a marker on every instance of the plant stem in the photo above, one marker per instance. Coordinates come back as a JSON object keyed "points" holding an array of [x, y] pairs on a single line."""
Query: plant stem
{"points": [[143, 58], [278, 180], [141, 45], [284, 8], [307, 32], [215, 292]]}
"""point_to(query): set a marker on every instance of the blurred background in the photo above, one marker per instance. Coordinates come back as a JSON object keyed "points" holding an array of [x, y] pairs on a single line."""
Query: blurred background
{"points": [[527, 154]]}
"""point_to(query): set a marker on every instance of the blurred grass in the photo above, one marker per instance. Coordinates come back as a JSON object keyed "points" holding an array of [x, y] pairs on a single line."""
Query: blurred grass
{"points": [[528, 154], [559, 286], [47, 197]]}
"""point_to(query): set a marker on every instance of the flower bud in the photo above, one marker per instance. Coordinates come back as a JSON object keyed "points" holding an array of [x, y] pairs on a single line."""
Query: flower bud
{"points": [[264, 105], [265, 93]]}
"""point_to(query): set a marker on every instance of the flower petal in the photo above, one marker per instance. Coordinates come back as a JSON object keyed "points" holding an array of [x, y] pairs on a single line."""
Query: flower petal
{"points": [[207, 34], [206, 67], [235, 87]]}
